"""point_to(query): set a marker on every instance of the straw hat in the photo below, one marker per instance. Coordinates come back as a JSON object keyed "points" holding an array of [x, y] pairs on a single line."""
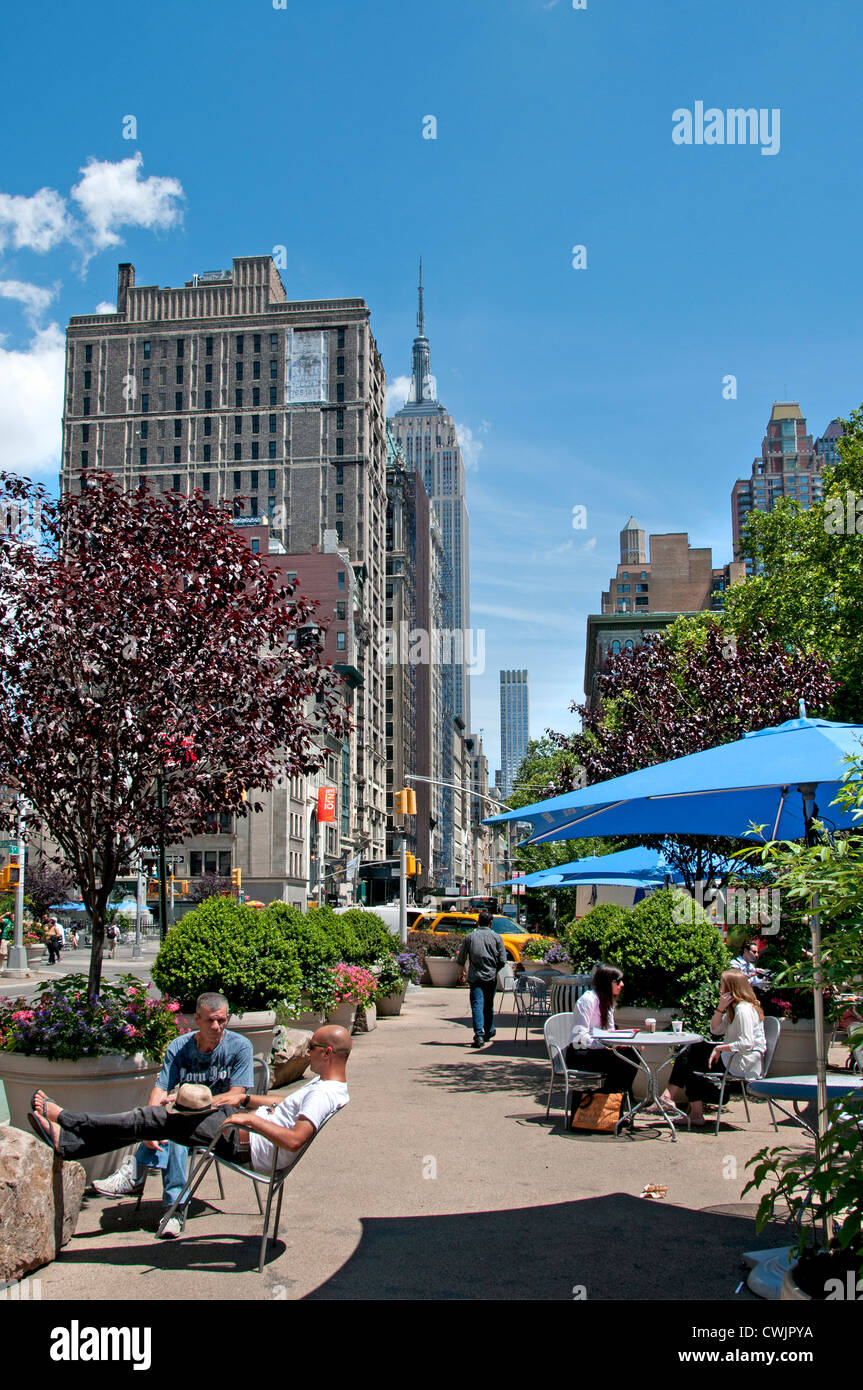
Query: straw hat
{"points": [[191, 1100]]}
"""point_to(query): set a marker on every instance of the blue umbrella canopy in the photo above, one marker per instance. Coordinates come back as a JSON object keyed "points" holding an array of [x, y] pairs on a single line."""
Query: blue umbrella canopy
{"points": [[719, 791], [626, 867]]}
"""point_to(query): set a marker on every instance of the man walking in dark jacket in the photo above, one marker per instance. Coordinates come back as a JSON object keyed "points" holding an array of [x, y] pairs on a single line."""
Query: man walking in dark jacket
{"points": [[487, 955]]}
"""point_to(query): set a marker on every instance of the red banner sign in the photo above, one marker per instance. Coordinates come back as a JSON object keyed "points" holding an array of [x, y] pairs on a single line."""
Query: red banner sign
{"points": [[326, 804]]}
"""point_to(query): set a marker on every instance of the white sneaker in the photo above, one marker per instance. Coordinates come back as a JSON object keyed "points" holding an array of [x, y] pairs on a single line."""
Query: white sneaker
{"points": [[123, 1183], [172, 1229]]}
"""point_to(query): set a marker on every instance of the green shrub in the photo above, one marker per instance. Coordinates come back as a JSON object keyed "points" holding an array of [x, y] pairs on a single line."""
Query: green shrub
{"points": [[232, 949], [373, 936], [666, 964]]}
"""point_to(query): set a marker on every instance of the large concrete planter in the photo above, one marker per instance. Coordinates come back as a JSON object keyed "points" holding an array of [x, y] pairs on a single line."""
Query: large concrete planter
{"points": [[795, 1050], [259, 1027], [102, 1085], [443, 971], [390, 1006], [344, 1015]]}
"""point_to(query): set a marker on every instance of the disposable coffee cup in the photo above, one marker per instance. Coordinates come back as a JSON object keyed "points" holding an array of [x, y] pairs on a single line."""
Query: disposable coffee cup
{"points": [[677, 1026], [650, 1025]]}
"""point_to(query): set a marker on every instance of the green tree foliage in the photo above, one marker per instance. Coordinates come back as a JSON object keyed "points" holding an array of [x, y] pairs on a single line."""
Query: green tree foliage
{"points": [[808, 585]]}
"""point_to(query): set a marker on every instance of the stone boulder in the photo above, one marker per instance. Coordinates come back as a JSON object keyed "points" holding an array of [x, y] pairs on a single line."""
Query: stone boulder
{"points": [[290, 1056], [40, 1197]]}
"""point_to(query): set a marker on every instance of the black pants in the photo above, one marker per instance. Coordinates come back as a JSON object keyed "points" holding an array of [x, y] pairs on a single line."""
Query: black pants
{"points": [[696, 1059], [619, 1073], [84, 1136], [54, 949]]}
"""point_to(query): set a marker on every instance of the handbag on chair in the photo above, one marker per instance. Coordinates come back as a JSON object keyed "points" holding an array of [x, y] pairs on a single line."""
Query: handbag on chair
{"points": [[596, 1111]]}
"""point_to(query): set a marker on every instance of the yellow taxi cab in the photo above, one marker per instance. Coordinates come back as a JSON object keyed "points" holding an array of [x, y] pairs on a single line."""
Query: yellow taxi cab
{"points": [[514, 937]]}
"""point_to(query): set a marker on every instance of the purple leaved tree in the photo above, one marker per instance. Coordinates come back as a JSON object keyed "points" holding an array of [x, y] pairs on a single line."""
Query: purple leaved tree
{"points": [[144, 642]]}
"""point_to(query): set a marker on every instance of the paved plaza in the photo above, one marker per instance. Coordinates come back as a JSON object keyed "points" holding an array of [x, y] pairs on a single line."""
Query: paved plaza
{"points": [[443, 1180]]}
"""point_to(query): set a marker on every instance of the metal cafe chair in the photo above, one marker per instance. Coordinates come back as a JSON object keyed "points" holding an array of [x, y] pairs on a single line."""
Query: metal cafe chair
{"points": [[772, 1028], [531, 1000]]}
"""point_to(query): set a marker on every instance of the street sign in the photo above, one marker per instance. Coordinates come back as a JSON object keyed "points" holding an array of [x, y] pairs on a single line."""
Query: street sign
{"points": [[8, 844]]}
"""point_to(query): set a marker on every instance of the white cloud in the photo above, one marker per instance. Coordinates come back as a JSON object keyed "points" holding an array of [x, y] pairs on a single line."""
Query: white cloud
{"points": [[591, 544], [561, 621], [103, 307], [471, 444], [31, 404], [36, 223], [35, 298], [113, 195], [397, 393]]}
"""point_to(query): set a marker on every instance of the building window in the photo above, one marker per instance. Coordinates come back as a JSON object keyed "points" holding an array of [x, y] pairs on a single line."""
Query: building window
{"points": [[145, 428], [256, 423], [175, 483], [340, 366], [271, 478], [340, 613], [253, 479], [340, 579], [272, 424], [238, 424], [238, 400], [142, 458], [238, 452], [239, 342], [274, 368], [206, 453], [256, 546], [179, 376], [340, 341], [340, 531], [273, 397], [341, 641], [340, 446], [340, 474], [145, 376], [256, 395], [271, 507], [238, 482], [178, 428], [340, 501], [208, 400], [208, 371], [181, 346], [256, 370], [255, 449], [238, 368], [274, 341], [340, 419], [87, 380], [253, 506], [85, 406], [256, 342], [271, 448], [146, 347], [208, 347], [145, 402], [208, 425], [178, 400], [615, 648], [177, 453]]}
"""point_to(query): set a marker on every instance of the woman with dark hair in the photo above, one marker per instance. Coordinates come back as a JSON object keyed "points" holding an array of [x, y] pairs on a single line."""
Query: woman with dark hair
{"points": [[595, 1010], [739, 1021]]}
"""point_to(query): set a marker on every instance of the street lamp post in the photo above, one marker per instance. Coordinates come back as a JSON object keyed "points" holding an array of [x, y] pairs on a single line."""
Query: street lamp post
{"points": [[17, 964]]}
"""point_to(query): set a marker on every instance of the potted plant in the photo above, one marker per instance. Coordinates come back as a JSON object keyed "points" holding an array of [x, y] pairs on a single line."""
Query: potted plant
{"points": [[227, 947], [350, 987], [103, 1056], [394, 974], [814, 1188], [443, 969]]}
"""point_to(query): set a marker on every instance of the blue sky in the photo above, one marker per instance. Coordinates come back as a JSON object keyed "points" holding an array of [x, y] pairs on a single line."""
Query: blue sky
{"points": [[302, 127]]}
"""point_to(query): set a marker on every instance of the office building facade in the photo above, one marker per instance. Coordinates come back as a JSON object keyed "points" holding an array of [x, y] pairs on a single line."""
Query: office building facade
{"points": [[514, 725], [789, 466]]}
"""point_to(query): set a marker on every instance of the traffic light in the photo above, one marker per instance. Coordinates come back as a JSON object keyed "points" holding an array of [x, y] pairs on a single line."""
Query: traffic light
{"points": [[184, 887], [419, 868], [410, 865], [237, 878], [10, 876], [405, 803], [152, 887]]}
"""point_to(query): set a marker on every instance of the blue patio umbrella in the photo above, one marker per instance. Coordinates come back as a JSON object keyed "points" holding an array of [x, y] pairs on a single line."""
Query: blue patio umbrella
{"points": [[719, 791], [637, 867], [68, 907], [781, 778]]}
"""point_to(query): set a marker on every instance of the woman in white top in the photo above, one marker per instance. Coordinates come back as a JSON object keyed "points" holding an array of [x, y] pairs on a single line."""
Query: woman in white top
{"points": [[739, 1020], [595, 1010]]}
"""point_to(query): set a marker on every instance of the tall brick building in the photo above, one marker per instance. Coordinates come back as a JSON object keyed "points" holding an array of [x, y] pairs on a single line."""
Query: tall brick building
{"points": [[273, 405], [789, 466]]}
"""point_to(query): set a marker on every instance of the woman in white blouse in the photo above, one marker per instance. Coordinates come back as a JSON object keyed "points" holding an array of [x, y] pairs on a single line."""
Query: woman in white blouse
{"points": [[595, 1010], [739, 1020]]}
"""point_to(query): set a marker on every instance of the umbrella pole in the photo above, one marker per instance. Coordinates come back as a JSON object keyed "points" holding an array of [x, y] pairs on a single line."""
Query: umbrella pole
{"points": [[820, 1055]]}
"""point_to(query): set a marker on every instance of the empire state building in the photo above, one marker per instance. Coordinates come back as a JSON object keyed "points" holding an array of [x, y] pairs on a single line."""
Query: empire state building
{"points": [[427, 434]]}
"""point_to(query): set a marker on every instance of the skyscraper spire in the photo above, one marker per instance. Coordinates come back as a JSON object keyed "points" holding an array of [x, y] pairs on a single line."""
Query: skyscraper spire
{"points": [[421, 382]]}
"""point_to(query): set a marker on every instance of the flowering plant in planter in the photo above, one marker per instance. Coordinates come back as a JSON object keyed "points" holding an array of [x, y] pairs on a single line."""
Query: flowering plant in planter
{"points": [[536, 948], [348, 984], [394, 972], [63, 1023]]}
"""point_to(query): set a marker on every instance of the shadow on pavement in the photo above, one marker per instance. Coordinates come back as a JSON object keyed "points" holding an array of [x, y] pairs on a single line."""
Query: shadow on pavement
{"points": [[614, 1248], [487, 1072]]}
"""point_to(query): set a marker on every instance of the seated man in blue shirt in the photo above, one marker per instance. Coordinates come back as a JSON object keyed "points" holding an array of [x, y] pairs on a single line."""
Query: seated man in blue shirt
{"points": [[211, 1057]]}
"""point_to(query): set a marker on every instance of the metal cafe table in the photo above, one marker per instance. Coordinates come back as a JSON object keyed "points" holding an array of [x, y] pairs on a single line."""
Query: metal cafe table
{"points": [[644, 1043], [802, 1089]]}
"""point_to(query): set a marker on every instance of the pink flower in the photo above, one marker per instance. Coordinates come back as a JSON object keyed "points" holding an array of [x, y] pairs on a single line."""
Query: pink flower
{"points": [[175, 1008]]}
